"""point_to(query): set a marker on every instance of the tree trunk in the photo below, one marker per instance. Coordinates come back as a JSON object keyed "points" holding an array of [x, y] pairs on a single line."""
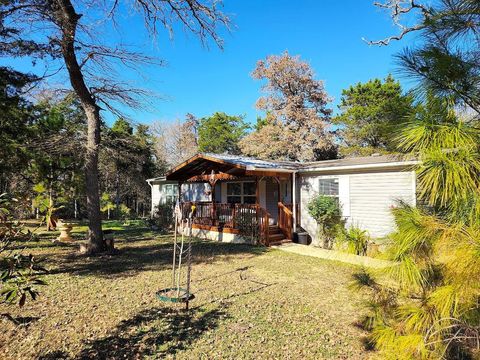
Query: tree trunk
{"points": [[117, 193], [67, 18], [95, 236], [75, 208]]}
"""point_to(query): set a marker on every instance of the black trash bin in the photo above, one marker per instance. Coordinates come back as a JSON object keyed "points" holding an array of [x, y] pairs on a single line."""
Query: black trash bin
{"points": [[303, 238]]}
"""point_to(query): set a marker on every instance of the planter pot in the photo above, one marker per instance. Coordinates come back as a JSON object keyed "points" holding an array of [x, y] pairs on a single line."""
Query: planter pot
{"points": [[65, 228]]}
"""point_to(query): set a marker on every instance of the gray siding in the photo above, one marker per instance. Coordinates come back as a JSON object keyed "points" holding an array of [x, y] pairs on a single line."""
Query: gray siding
{"points": [[372, 196], [366, 198], [190, 192]]}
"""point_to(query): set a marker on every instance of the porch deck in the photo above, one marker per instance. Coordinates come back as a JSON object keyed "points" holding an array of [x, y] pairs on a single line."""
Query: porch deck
{"points": [[250, 220], [247, 196]]}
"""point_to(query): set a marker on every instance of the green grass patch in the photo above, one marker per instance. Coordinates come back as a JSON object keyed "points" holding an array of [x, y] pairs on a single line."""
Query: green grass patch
{"points": [[250, 302]]}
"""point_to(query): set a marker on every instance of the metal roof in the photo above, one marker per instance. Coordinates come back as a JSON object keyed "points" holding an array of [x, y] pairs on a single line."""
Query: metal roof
{"points": [[310, 165], [359, 162], [249, 162], [204, 163]]}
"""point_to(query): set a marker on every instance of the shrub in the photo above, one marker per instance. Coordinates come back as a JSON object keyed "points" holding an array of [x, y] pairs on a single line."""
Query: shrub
{"points": [[327, 213], [45, 203], [125, 212], [20, 274], [356, 240], [163, 217]]}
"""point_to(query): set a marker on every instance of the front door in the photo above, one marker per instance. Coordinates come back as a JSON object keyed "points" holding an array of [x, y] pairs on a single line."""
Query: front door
{"points": [[271, 198]]}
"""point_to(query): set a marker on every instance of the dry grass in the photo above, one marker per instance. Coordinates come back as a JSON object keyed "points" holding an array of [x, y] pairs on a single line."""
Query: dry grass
{"points": [[250, 303]]}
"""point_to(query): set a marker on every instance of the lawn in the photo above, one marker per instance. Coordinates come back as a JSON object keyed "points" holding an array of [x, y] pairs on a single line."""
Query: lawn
{"points": [[251, 302]]}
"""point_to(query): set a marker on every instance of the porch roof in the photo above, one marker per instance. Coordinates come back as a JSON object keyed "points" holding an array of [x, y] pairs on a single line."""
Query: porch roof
{"points": [[201, 166]]}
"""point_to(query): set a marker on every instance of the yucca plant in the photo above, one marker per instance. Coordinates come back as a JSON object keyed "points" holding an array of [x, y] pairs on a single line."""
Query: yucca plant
{"points": [[435, 282], [355, 239]]}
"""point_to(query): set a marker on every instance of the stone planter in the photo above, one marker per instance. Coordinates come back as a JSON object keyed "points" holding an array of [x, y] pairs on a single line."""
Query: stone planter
{"points": [[65, 229]]}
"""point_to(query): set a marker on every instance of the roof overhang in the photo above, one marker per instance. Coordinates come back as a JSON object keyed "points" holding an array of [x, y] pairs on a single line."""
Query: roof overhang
{"points": [[203, 168], [387, 165], [159, 180]]}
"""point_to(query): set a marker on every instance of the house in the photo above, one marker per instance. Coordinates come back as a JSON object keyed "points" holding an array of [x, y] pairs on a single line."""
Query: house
{"points": [[166, 192], [238, 198]]}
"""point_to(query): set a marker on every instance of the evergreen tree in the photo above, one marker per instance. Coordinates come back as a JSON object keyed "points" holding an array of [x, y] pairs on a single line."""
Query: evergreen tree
{"points": [[370, 114], [15, 115], [427, 306], [221, 133]]}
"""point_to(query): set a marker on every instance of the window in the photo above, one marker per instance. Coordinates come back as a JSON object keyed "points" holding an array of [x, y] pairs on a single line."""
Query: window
{"points": [[170, 192], [329, 187], [241, 193]]}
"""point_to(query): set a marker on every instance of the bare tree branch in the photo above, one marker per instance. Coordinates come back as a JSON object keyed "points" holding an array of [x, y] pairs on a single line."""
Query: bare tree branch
{"points": [[399, 8]]}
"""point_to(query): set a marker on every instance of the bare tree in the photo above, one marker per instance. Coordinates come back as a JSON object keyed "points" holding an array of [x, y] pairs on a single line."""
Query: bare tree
{"points": [[177, 141], [67, 35]]}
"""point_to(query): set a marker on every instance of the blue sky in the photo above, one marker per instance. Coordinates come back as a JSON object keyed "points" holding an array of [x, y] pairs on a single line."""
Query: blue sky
{"points": [[326, 33]]}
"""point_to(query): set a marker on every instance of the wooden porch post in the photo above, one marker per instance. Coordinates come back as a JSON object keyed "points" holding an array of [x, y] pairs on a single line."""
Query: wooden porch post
{"points": [[212, 197], [278, 195], [294, 200]]}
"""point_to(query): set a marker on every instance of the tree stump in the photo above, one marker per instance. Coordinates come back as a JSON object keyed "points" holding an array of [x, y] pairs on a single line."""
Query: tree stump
{"points": [[108, 237]]}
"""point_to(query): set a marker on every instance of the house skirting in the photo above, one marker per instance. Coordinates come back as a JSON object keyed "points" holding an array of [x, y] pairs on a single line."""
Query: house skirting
{"points": [[215, 233]]}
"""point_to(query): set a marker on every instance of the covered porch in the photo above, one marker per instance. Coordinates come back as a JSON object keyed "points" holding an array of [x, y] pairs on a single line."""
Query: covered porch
{"points": [[248, 197]]}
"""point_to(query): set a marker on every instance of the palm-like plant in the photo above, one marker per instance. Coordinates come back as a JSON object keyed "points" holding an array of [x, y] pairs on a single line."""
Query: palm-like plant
{"points": [[436, 279], [355, 239]]}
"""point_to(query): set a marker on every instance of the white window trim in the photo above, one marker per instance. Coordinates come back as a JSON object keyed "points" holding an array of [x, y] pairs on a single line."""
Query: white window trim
{"points": [[329, 178], [343, 191], [165, 194]]}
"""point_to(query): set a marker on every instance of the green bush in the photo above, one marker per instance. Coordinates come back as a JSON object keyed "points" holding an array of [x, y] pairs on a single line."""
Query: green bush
{"points": [[125, 212], [355, 239], [20, 274], [163, 217], [327, 213]]}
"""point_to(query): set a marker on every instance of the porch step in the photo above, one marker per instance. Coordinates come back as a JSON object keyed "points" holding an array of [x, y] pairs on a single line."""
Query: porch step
{"points": [[283, 241], [274, 229], [276, 237]]}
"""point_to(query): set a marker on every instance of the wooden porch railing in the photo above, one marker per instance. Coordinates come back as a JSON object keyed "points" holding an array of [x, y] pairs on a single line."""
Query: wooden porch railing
{"points": [[250, 220], [264, 226], [297, 210], [285, 220]]}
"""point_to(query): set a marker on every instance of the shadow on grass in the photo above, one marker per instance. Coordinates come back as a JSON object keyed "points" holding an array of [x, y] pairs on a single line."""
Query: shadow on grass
{"points": [[158, 331], [151, 255], [46, 239], [20, 320], [162, 331]]}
